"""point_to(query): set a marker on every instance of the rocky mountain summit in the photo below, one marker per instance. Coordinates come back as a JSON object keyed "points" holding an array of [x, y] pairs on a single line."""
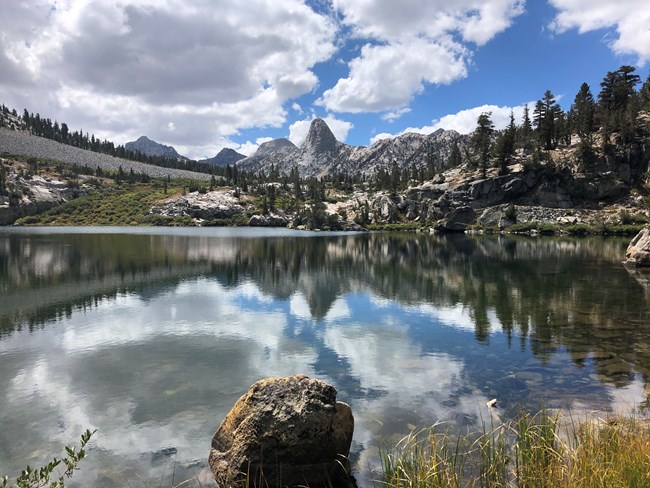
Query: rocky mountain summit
{"points": [[322, 154], [224, 158], [152, 148]]}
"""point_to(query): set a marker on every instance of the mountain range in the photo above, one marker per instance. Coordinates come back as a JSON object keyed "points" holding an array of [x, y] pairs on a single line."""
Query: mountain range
{"points": [[322, 154]]}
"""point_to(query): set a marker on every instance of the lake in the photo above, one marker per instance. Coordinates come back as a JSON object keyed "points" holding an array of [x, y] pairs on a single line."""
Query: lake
{"points": [[150, 335]]}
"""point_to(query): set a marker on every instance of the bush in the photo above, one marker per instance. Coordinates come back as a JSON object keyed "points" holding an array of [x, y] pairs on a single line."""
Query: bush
{"points": [[41, 477], [511, 212], [628, 218]]}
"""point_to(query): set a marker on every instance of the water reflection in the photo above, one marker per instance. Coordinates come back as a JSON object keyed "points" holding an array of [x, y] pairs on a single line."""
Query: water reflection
{"points": [[151, 337]]}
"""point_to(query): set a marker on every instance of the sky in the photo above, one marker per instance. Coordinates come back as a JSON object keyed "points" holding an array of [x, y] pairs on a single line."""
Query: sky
{"points": [[202, 75]]}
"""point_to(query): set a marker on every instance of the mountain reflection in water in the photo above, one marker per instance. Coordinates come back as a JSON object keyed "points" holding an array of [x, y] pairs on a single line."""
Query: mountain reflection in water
{"points": [[150, 336]]}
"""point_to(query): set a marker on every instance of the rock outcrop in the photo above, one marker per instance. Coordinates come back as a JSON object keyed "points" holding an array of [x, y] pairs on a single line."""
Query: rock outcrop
{"points": [[34, 195], [284, 432], [638, 252], [202, 206]]}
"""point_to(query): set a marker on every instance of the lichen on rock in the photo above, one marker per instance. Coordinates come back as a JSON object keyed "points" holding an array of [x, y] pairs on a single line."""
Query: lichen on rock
{"points": [[284, 432]]}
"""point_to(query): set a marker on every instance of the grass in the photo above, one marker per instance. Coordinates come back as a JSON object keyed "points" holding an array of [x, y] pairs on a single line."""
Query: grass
{"points": [[575, 229], [123, 205], [396, 227], [529, 452]]}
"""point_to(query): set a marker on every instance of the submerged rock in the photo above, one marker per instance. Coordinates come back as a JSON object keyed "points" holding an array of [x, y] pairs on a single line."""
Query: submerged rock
{"points": [[284, 432], [638, 252]]}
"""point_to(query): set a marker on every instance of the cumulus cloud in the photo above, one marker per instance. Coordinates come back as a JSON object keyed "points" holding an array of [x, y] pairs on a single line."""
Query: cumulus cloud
{"points": [[298, 130], [387, 76], [464, 121], [106, 66], [394, 115], [628, 17], [412, 44]]}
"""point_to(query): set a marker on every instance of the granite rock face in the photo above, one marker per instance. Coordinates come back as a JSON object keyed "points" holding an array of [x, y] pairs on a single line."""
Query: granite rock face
{"points": [[638, 252], [284, 432]]}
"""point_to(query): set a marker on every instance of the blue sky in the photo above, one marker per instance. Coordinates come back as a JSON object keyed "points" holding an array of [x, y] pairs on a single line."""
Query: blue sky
{"points": [[203, 75]]}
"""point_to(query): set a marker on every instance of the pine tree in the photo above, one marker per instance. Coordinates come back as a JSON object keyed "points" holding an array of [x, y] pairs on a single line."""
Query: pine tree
{"points": [[526, 131], [545, 117], [617, 90], [3, 180], [583, 113], [506, 145], [455, 158], [644, 95], [395, 177], [483, 140], [294, 176]]}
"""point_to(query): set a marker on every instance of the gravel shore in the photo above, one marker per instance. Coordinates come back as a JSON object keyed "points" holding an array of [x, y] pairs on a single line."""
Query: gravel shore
{"points": [[24, 144]]}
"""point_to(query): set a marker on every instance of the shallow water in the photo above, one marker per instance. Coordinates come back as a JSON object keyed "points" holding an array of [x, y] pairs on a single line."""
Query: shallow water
{"points": [[150, 335]]}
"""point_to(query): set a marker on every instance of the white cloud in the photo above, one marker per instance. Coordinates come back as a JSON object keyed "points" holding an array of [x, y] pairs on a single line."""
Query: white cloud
{"points": [[464, 121], [631, 18], [384, 77], [298, 130], [413, 44], [394, 115], [104, 65], [476, 21], [295, 106]]}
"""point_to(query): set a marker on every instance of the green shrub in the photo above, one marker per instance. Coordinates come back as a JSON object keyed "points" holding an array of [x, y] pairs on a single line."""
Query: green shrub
{"points": [[45, 476]]}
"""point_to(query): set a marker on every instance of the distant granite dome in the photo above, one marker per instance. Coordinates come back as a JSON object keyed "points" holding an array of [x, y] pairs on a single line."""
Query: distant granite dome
{"points": [[224, 158], [152, 148], [273, 146]]}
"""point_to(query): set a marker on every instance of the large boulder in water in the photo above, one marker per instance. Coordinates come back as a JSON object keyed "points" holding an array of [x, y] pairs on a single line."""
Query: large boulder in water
{"points": [[638, 252], [284, 432]]}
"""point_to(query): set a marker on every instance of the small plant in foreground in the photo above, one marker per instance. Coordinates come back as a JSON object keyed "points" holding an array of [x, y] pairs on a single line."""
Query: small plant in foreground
{"points": [[528, 452], [45, 476]]}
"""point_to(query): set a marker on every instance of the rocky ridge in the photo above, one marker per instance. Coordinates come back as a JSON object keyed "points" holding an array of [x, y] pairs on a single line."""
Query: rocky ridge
{"points": [[224, 157], [152, 148], [322, 154]]}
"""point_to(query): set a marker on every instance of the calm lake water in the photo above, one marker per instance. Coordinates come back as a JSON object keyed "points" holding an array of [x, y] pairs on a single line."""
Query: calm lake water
{"points": [[150, 335]]}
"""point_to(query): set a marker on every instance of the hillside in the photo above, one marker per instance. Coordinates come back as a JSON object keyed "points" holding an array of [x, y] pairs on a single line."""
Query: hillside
{"points": [[24, 144]]}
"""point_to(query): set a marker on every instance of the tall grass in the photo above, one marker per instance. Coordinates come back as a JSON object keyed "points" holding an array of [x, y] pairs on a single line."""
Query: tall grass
{"points": [[540, 451]]}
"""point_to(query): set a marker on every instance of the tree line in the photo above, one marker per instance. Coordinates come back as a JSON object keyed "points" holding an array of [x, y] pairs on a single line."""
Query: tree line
{"points": [[48, 129], [615, 115]]}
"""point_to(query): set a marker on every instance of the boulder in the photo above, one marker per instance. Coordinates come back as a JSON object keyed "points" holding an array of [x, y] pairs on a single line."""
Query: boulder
{"points": [[284, 432], [270, 220], [384, 208], [457, 220], [638, 252]]}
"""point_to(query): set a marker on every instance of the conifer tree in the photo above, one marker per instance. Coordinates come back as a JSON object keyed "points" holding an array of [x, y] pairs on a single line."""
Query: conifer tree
{"points": [[583, 113], [483, 140], [617, 91], [455, 158], [545, 117], [526, 130], [506, 145]]}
